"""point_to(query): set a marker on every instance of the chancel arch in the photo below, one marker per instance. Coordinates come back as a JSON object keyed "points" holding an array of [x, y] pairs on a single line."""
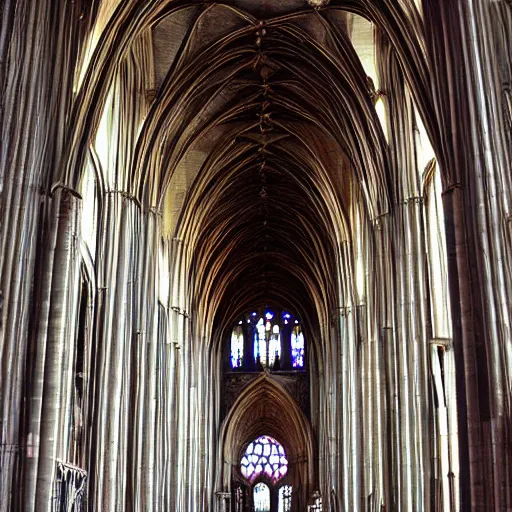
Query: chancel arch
{"points": [[265, 408]]}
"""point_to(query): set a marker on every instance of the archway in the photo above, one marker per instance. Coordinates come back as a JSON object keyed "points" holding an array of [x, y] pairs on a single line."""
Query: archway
{"points": [[265, 408]]}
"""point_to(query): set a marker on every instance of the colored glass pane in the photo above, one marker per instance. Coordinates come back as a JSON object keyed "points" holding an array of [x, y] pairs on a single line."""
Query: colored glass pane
{"points": [[273, 334], [261, 457], [260, 343], [297, 347], [285, 499], [274, 347], [261, 498], [237, 347]]}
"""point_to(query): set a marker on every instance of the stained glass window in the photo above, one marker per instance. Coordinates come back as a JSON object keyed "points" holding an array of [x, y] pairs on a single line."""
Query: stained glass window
{"points": [[267, 341], [297, 347], [260, 343], [285, 499], [277, 342], [237, 347], [274, 346], [264, 456], [261, 498]]}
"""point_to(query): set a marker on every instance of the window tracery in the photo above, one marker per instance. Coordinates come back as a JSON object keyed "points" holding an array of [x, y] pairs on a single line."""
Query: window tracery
{"points": [[264, 457], [276, 342]]}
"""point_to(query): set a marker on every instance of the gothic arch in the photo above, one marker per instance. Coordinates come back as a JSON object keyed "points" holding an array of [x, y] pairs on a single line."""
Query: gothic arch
{"points": [[266, 408]]}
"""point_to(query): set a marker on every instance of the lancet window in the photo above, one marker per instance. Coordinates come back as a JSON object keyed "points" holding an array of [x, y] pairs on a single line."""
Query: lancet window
{"points": [[297, 347], [260, 342], [268, 339], [285, 499], [237, 347], [261, 498]]}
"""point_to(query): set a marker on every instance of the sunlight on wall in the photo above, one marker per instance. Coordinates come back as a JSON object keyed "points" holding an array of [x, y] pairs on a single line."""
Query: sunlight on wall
{"points": [[359, 241], [441, 354], [163, 275], [89, 209], [380, 107], [107, 8], [360, 278], [105, 142], [364, 45], [424, 150], [438, 272]]}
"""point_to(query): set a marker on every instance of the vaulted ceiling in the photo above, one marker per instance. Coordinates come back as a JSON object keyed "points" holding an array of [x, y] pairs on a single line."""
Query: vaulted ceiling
{"points": [[262, 129], [273, 124]]}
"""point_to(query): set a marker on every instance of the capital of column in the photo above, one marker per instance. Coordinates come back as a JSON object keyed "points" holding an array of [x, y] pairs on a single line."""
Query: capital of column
{"points": [[451, 188], [125, 195]]}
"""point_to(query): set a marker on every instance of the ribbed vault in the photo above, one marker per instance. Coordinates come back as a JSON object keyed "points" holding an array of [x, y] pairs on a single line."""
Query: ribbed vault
{"points": [[261, 126], [260, 140], [273, 122], [294, 19]]}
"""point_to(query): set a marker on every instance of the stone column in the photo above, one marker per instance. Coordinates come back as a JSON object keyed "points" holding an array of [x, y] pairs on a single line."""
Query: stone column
{"points": [[52, 378], [223, 501], [113, 478]]}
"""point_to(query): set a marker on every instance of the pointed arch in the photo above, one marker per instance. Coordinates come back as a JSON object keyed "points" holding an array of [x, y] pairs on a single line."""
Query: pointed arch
{"points": [[266, 408]]}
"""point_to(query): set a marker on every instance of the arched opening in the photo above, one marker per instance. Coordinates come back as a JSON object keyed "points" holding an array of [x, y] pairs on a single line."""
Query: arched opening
{"points": [[261, 498], [264, 467], [266, 439]]}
